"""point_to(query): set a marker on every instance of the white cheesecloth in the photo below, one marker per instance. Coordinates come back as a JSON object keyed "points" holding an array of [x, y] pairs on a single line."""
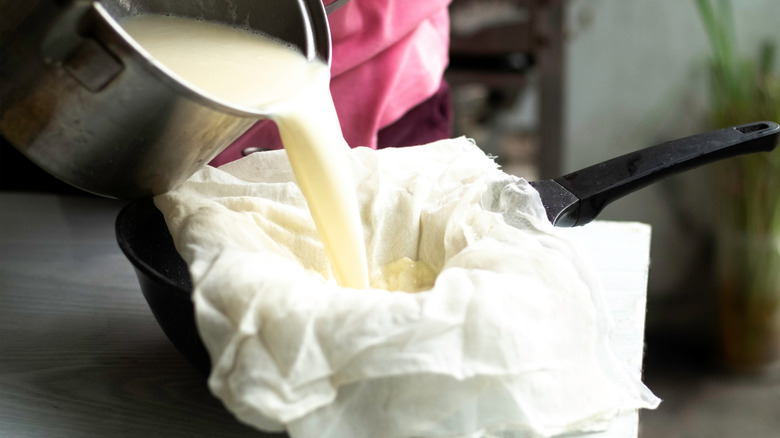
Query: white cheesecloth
{"points": [[510, 341]]}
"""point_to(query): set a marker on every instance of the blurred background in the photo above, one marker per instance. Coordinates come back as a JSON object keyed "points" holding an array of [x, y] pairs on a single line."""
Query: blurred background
{"points": [[553, 86]]}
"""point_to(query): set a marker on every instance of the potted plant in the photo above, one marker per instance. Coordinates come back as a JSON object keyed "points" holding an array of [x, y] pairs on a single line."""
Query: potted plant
{"points": [[748, 238]]}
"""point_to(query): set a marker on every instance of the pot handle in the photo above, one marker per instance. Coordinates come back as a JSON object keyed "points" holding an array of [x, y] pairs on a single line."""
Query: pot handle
{"points": [[68, 44], [577, 198]]}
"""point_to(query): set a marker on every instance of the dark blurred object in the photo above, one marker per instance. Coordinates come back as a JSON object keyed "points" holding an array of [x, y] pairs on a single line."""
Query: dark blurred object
{"points": [[501, 44], [427, 122]]}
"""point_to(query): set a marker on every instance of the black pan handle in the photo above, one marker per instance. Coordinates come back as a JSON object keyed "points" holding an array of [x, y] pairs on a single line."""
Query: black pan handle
{"points": [[577, 198]]}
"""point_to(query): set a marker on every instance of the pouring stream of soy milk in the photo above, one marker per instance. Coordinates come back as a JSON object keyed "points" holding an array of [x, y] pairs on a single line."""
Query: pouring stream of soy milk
{"points": [[246, 69]]}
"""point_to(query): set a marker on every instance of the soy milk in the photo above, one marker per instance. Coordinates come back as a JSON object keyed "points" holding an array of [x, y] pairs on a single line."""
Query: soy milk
{"points": [[246, 69]]}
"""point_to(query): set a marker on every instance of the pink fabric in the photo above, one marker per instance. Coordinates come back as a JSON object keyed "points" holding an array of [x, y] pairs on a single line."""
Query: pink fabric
{"points": [[388, 57]]}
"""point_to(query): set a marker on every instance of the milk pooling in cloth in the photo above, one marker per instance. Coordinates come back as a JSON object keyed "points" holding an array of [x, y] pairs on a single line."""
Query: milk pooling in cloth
{"points": [[511, 337]]}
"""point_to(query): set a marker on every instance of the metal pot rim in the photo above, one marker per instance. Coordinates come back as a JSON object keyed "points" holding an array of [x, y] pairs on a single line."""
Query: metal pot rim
{"points": [[160, 71]]}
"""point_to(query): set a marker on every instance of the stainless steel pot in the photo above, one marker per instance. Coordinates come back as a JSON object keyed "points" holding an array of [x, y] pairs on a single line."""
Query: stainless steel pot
{"points": [[87, 104]]}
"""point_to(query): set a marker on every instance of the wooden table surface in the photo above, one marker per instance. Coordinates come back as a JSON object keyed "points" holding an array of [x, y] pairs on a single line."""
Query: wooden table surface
{"points": [[82, 356]]}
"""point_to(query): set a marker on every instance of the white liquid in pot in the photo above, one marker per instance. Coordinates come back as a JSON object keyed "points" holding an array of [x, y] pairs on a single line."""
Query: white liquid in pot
{"points": [[247, 69]]}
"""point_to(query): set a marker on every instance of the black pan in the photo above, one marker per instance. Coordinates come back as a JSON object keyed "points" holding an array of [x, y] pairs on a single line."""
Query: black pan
{"points": [[571, 200]]}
